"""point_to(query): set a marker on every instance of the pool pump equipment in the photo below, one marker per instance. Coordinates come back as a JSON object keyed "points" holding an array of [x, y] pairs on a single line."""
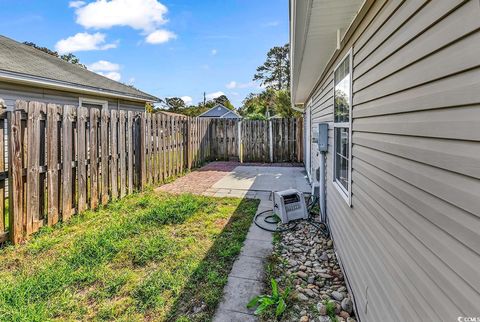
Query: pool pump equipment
{"points": [[290, 205], [289, 208]]}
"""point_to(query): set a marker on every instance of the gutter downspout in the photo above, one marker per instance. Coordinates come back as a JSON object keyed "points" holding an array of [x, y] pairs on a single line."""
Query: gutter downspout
{"points": [[323, 189]]}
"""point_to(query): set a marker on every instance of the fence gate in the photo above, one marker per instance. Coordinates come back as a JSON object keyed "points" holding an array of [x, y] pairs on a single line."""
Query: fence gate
{"points": [[275, 140]]}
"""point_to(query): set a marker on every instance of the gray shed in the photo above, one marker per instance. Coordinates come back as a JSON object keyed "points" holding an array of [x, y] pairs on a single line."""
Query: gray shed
{"points": [[220, 111]]}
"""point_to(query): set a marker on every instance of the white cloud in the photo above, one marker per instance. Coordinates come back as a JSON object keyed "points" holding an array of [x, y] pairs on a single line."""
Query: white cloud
{"points": [[213, 95], [139, 14], [76, 4], [231, 85], [187, 99], [160, 36], [107, 69], [234, 84], [103, 65], [214, 52], [83, 41], [116, 76], [144, 15]]}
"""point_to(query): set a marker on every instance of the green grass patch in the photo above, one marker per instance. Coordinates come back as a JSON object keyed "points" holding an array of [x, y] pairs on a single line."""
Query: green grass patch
{"points": [[150, 256]]}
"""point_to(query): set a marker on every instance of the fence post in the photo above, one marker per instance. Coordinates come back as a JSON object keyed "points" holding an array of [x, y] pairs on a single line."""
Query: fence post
{"points": [[240, 156], [270, 140], [15, 170], [143, 152], [67, 158], [105, 151], [188, 143]]}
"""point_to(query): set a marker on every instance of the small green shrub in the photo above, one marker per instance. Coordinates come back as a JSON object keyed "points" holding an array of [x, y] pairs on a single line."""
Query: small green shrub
{"points": [[330, 306], [276, 301]]}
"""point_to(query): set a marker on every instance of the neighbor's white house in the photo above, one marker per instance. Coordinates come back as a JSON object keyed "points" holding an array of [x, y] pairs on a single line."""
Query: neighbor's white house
{"points": [[398, 85]]}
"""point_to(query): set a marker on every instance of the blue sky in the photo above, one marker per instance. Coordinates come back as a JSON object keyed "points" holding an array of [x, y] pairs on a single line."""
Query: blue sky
{"points": [[166, 48]]}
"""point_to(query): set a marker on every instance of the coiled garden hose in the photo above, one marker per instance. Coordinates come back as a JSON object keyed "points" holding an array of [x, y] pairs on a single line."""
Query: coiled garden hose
{"points": [[274, 219]]}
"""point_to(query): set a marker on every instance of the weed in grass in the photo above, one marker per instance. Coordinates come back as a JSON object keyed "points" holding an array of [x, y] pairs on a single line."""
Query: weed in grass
{"points": [[151, 248], [175, 211], [150, 292], [276, 302]]}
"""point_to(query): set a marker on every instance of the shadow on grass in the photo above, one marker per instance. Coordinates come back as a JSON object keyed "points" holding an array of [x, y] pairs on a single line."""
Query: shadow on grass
{"points": [[204, 289]]}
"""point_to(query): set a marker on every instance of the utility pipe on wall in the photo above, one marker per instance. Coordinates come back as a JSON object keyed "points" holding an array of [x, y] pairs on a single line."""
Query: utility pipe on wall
{"points": [[323, 149], [323, 188]]}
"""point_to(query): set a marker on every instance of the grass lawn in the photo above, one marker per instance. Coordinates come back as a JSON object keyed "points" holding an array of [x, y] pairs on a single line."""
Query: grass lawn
{"points": [[150, 256]]}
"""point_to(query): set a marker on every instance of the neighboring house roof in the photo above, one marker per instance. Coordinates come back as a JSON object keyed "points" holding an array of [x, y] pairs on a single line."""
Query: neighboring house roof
{"points": [[20, 63], [220, 111], [172, 114], [231, 115]]}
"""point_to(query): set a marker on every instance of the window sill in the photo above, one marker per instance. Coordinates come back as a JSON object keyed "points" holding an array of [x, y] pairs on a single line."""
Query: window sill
{"points": [[343, 193]]}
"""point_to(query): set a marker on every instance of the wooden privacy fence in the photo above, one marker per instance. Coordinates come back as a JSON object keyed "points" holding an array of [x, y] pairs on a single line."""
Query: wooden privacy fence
{"points": [[275, 140], [64, 160]]}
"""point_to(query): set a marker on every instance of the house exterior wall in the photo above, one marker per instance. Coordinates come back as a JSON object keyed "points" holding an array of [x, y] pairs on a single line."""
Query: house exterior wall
{"points": [[410, 242], [12, 92]]}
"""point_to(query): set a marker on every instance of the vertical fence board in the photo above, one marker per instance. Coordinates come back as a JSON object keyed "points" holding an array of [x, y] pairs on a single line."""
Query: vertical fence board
{"points": [[155, 149], [114, 154], [53, 182], [163, 161], [67, 158], [142, 151], [16, 212], [33, 163], [129, 136], [82, 113], [122, 153], [104, 151], [93, 152]]}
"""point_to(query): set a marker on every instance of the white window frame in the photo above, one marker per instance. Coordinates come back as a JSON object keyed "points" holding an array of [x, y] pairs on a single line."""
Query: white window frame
{"points": [[82, 100], [346, 195]]}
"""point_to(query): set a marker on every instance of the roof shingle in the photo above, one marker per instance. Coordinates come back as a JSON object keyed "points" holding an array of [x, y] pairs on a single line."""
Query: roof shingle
{"points": [[25, 60]]}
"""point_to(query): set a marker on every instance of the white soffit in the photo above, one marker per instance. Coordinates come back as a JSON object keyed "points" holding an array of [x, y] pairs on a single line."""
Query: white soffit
{"points": [[313, 39]]}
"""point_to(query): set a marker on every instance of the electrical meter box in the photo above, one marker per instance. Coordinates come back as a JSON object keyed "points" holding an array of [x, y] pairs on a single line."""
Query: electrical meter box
{"points": [[323, 137], [290, 205]]}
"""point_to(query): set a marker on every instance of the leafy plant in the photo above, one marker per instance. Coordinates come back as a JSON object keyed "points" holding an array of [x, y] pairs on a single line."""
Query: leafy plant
{"points": [[278, 301], [330, 306]]}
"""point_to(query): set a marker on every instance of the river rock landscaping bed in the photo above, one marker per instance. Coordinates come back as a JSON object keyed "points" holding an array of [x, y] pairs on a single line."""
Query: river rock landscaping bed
{"points": [[305, 261]]}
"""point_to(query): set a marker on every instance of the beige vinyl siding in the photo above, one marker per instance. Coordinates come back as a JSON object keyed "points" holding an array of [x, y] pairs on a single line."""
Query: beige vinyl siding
{"points": [[410, 243], [12, 92]]}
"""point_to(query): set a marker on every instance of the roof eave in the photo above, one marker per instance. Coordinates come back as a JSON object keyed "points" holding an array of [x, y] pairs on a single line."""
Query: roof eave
{"points": [[19, 78], [304, 15]]}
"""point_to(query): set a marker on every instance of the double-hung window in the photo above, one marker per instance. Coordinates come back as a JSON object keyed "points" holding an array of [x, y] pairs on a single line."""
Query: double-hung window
{"points": [[342, 127]]}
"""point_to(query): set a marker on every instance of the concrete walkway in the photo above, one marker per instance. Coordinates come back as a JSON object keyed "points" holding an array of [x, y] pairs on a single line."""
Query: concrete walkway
{"points": [[247, 275], [232, 180]]}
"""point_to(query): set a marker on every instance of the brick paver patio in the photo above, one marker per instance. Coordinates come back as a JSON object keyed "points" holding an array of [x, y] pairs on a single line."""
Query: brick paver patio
{"points": [[201, 181]]}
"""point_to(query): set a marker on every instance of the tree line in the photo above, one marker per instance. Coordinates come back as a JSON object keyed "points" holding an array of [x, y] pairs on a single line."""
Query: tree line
{"points": [[274, 100], [273, 76]]}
